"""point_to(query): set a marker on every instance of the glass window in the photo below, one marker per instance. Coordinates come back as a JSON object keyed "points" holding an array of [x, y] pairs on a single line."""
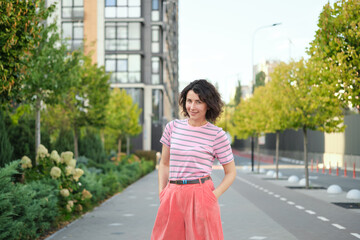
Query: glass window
{"points": [[123, 8], [125, 68], [155, 70], [110, 3], [126, 35], [157, 105], [73, 32], [155, 4], [78, 3], [67, 3], [72, 8]]}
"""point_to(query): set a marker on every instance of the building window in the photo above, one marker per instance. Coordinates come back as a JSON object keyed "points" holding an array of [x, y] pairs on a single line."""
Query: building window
{"points": [[122, 8], [157, 105], [155, 39], [124, 68], [73, 33], [155, 11], [155, 70], [137, 94], [122, 36], [72, 8]]}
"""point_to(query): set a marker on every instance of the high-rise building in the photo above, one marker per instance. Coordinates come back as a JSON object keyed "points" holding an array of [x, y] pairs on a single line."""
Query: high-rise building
{"points": [[137, 41]]}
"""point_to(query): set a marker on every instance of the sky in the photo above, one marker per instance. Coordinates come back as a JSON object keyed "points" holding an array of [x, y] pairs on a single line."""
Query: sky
{"points": [[216, 37]]}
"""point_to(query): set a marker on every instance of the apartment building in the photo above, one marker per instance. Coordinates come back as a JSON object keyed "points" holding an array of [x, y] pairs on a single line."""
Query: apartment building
{"points": [[137, 41]]}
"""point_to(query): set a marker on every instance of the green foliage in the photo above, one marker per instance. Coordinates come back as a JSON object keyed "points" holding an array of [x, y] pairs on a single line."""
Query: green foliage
{"points": [[259, 80], [91, 146], [19, 34], [122, 116], [238, 94], [65, 141], [149, 155], [336, 47], [26, 211], [6, 150]]}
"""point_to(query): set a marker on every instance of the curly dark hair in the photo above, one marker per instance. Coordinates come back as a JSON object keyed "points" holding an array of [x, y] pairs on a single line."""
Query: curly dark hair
{"points": [[208, 94]]}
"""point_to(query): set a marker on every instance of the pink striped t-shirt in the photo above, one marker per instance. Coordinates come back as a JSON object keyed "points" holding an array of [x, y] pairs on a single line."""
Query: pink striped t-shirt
{"points": [[193, 149]]}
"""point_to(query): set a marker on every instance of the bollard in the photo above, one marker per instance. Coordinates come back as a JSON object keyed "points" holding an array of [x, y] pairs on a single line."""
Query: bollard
{"points": [[317, 166], [330, 168], [323, 171], [312, 162], [354, 174], [345, 171], [337, 169]]}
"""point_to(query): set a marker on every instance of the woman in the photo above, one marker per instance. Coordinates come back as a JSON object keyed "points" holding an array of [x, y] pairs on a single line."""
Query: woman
{"points": [[188, 200]]}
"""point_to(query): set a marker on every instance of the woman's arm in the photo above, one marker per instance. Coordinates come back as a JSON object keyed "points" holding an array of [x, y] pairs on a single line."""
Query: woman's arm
{"points": [[230, 174], [164, 167]]}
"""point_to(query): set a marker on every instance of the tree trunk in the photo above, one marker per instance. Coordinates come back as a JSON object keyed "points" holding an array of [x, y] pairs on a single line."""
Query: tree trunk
{"points": [[37, 125], [119, 146], [127, 145], [252, 153], [76, 147], [277, 154], [306, 158], [102, 136], [258, 153]]}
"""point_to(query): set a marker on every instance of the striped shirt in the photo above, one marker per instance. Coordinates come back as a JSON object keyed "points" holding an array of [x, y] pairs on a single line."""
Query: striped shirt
{"points": [[193, 149]]}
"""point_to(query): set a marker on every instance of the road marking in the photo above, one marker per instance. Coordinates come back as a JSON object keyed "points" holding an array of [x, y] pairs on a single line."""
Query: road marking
{"points": [[115, 224], [299, 207], [270, 193], [265, 190], [356, 235], [283, 199], [290, 203], [338, 226], [258, 237], [310, 212], [128, 215], [323, 218], [276, 195]]}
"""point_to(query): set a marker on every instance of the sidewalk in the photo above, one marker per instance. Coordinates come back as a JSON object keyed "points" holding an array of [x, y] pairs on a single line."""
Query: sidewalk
{"points": [[131, 214]]}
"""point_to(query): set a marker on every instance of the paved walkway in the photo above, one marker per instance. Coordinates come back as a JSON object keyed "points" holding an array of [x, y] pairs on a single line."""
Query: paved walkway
{"points": [[131, 214]]}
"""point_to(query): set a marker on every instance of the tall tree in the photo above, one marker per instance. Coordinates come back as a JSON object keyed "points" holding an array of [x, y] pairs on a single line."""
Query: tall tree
{"points": [[259, 80], [238, 93], [19, 33], [122, 116], [51, 72], [337, 45], [312, 101]]}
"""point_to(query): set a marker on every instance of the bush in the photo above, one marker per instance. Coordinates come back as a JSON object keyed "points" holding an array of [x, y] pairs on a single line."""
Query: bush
{"points": [[91, 146], [6, 150], [26, 210], [64, 141], [147, 155]]}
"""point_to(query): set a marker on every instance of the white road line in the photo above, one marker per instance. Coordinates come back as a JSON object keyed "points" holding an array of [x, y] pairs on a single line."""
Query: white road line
{"points": [[310, 212], [290, 203], [276, 195], [270, 193], [283, 199], [323, 218], [338, 226], [356, 235], [265, 190], [299, 207]]}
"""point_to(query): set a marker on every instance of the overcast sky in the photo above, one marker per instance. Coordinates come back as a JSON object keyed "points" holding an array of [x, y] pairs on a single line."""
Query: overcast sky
{"points": [[215, 37]]}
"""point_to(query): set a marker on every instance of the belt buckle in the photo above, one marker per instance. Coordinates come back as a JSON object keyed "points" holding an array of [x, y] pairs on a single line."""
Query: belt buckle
{"points": [[184, 181]]}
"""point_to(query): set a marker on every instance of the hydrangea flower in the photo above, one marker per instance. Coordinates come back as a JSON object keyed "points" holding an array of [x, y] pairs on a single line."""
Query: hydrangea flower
{"points": [[41, 152], [78, 173], [85, 194], [69, 170], [55, 172], [69, 206], [72, 163], [55, 156], [64, 192], [66, 157], [25, 162]]}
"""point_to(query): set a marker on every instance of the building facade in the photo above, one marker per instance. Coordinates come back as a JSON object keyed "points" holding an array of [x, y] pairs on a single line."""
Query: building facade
{"points": [[137, 41]]}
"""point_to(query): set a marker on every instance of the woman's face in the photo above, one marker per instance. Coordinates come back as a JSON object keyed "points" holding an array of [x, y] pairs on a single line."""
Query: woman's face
{"points": [[195, 107]]}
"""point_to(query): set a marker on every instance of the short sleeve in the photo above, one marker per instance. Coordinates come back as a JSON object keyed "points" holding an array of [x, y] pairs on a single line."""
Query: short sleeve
{"points": [[222, 148], [166, 136]]}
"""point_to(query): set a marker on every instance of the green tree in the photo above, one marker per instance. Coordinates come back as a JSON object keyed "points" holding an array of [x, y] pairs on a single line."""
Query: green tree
{"points": [[259, 80], [19, 34], [122, 116], [238, 94], [312, 101], [337, 45], [51, 72]]}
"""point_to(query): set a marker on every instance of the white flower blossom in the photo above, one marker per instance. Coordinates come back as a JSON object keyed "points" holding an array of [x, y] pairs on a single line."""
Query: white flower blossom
{"points": [[26, 162], [72, 163], [66, 157], [55, 156], [41, 152], [64, 192], [78, 173], [69, 170], [55, 172]]}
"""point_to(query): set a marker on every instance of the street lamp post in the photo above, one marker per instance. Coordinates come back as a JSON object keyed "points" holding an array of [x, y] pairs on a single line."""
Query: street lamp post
{"points": [[253, 81]]}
